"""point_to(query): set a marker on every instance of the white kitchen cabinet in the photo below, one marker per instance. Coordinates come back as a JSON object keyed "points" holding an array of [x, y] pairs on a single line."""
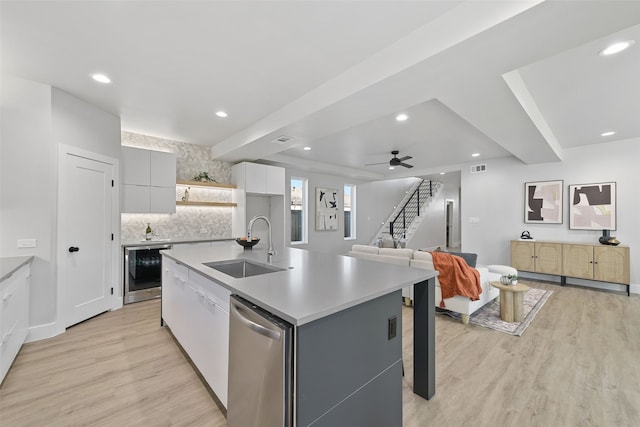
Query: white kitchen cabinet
{"points": [[254, 178], [148, 181], [196, 309], [212, 312], [259, 191], [174, 281], [14, 316]]}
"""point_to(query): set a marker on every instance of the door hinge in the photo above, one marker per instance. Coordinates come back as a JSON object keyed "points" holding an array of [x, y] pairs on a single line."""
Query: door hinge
{"points": [[111, 291]]}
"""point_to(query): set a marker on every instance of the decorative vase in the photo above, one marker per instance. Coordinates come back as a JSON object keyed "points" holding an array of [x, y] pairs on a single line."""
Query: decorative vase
{"points": [[505, 280], [514, 282], [606, 236]]}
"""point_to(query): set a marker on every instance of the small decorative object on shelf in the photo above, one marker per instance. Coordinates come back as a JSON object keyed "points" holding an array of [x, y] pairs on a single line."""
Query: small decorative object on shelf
{"points": [[607, 239], [185, 198], [148, 234], [203, 177]]}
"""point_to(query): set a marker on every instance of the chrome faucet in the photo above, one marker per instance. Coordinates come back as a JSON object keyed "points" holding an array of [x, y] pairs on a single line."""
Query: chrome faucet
{"points": [[271, 251]]}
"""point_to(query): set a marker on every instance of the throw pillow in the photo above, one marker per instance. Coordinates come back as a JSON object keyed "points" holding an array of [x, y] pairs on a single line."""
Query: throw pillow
{"points": [[470, 258]]}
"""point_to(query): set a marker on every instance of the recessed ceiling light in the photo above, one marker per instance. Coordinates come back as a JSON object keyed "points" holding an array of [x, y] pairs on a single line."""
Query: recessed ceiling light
{"points": [[101, 78], [391, 168], [475, 154], [616, 48], [608, 133], [442, 173], [221, 114], [401, 117], [307, 148]]}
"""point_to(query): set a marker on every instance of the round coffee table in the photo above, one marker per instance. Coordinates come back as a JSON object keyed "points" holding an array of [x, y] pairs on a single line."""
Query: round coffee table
{"points": [[511, 301]]}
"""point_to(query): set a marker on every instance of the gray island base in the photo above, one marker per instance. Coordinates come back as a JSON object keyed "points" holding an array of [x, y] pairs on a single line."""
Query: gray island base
{"points": [[347, 319]]}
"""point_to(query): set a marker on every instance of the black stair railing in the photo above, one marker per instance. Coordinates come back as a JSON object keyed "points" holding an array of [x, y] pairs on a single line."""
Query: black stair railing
{"points": [[410, 210]]}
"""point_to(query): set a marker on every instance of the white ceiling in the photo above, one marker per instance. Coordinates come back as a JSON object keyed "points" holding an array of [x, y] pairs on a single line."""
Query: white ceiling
{"points": [[500, 78]]}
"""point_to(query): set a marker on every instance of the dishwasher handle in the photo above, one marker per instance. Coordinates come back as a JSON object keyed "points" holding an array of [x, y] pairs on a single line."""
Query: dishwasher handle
{"points": [[269, 333]]}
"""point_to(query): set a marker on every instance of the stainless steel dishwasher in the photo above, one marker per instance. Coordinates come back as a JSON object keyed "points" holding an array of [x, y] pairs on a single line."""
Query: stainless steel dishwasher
{"points": [[260, 367]]}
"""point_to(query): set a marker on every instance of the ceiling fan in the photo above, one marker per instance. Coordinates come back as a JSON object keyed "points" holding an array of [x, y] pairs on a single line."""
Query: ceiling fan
{"points": [[395, 161]]}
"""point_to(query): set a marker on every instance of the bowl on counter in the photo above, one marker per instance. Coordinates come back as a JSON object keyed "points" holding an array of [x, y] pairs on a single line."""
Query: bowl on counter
{"points": [[247, 244]]}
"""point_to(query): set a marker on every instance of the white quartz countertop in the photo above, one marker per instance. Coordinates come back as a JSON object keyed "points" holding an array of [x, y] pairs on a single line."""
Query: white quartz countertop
{"points": [[314, 284], [8, 265]]}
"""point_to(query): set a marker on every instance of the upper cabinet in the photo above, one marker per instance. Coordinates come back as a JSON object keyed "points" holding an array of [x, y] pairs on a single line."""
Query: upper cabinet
{"points": [[255, 178], [148, 181]]}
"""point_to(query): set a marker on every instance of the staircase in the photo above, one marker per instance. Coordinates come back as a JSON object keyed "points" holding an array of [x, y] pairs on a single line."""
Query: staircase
{"points": [[405, 219]]}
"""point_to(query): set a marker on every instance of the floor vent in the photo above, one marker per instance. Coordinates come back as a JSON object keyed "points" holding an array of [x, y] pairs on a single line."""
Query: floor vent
{"points": [[479, 168]]}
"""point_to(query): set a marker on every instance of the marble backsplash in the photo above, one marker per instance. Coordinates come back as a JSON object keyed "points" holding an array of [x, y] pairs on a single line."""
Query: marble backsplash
{"points": [[189, 222]]}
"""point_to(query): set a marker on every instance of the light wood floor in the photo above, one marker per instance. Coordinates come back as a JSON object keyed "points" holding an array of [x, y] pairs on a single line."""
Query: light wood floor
{"points": [[578, 364]]}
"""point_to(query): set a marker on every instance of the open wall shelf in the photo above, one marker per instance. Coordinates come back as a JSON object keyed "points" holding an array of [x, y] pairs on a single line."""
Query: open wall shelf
{"points": [[205, 184], [221, 204]]}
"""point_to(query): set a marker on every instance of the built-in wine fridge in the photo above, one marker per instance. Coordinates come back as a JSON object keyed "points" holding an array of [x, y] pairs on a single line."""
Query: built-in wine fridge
{"points": [[142, 272]]}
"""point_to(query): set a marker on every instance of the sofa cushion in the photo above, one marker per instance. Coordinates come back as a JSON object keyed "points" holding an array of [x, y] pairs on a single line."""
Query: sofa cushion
{"points": [[388, 242], [503, 270], [422, 256], [400, 253], [365, 249]]}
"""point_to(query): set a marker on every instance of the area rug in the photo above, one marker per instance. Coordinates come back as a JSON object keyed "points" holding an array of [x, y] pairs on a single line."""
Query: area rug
{"points": [[489, 315]]}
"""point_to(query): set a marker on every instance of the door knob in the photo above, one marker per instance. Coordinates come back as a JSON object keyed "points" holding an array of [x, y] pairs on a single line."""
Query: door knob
{"points": [[74, 249]]}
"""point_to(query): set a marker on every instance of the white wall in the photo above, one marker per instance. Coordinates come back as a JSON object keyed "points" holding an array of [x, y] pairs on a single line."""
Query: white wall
{"points": [[35, 118], [83, 125], [323, 241], [28, 187], [496, 197]]}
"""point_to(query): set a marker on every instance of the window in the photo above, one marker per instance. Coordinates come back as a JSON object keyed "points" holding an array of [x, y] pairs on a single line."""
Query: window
{"points": [[298, 210], [349, 211]]}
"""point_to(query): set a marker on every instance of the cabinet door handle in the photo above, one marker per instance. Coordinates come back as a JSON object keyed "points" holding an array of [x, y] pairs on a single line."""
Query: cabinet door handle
{"points": [[210, 301], [73, 249]]}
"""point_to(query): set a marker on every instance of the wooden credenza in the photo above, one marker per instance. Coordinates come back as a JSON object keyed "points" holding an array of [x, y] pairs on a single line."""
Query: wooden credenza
{"points": [[578, 260]]}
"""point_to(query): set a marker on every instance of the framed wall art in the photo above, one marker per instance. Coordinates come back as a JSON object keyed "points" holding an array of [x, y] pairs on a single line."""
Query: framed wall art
{"points": [[326, 209], [543, 202], [592, 206]]}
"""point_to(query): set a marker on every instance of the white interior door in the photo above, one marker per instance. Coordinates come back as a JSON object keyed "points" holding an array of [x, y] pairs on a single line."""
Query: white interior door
{"points": [[84, 239]]}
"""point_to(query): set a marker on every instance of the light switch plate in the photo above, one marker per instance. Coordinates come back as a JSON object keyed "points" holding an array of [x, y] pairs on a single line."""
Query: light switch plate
{"points": [[27, 243]]}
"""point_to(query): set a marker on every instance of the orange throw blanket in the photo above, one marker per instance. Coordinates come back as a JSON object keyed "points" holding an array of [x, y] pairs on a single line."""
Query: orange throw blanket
{"points": [[456, 277]]}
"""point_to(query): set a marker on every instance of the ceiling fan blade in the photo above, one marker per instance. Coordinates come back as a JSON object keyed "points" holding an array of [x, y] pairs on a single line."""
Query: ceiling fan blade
{"points": [[406, 165], [372, 164], [402, 159]]}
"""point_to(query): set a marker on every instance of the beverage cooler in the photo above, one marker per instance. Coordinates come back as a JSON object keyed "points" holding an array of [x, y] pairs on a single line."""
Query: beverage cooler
{"points": [[142, 272]]}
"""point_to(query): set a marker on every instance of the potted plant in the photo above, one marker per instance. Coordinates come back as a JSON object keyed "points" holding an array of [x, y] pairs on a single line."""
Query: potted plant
{"points": [[513, 279], [203, 177]]}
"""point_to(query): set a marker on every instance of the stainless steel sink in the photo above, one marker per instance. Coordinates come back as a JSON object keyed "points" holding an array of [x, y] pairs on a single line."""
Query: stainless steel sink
{"points": [[240, 268]]}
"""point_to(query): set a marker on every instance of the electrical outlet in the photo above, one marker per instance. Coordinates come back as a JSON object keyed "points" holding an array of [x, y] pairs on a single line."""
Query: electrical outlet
{"points": [[27, 243], [393, 327]]}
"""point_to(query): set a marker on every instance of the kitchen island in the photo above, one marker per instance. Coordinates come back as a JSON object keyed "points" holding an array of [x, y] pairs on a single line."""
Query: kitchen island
{"points": [[347, 320]]}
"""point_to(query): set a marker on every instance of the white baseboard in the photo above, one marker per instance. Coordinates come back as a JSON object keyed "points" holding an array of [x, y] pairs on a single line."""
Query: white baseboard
{"points": [[41, 332], [635, 289]]}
